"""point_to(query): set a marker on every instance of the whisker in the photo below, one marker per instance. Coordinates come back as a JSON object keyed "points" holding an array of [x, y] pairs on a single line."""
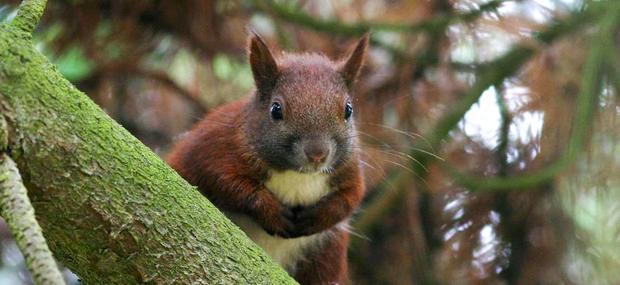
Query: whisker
{"points": [[327, 170], [406, 168], [369, 135], [412, 135], [413, 149], [356, 234], [429, 153], [353, 136], [399, 154], [375, 165], [367, 164], [381, 170]]}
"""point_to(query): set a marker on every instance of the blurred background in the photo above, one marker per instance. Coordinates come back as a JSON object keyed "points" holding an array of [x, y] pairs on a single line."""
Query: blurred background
{"points": [[490, 128]]}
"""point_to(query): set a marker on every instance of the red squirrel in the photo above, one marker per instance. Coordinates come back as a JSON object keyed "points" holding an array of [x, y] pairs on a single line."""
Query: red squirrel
{"points": [[283, 163]]}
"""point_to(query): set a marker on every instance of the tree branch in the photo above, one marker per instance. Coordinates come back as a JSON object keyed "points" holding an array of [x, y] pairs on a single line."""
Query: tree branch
{"points": [[586, 105], [28, 15], [494, 73], [111, 209], [4, 134], [334, 26], [491, 74], [17, 211]]}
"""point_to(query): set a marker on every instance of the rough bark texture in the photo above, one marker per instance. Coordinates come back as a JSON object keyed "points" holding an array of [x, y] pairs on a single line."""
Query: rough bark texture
{"points": [[16, 209], [111, 210]]}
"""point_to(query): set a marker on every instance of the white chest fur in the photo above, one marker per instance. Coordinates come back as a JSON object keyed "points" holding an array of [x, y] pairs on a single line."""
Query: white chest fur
{"points": [[285, 252], [298, 189], [292, 189]]}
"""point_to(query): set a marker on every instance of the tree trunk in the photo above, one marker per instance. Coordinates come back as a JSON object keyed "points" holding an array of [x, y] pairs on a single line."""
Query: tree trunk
{"points": [[111, 210]]}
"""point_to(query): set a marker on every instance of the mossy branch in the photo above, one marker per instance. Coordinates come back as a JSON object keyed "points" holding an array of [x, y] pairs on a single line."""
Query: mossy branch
{"points": [[28, 15], [17, 211], [4, 134], [112, 210]]}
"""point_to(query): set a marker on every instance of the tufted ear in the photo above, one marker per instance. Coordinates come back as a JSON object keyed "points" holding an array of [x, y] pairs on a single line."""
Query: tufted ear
{"points": [[264, 66], [350, 68]]}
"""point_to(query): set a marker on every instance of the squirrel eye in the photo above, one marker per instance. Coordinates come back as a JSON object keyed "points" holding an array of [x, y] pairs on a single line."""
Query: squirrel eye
{"points": [[348, 111], [276, 111]]}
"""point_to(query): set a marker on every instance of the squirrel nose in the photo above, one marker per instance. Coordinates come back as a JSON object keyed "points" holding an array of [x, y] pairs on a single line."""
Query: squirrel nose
{"points": [[316, 153]]}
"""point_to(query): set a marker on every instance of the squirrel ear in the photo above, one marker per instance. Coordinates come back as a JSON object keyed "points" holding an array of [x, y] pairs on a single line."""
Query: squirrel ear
{"points": [[351, 67], [264, 66]]}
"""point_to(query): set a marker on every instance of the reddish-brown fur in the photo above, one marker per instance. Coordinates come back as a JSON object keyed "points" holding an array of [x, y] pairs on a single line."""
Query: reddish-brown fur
{"points": [[218, 157], [326, 264]]}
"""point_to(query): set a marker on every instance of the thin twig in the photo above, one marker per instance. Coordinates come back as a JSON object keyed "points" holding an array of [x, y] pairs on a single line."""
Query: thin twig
{"points": [[504, 131]]}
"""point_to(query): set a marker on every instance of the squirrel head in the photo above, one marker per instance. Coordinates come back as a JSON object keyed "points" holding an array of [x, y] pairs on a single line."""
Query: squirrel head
{"points": [[301, 116]]}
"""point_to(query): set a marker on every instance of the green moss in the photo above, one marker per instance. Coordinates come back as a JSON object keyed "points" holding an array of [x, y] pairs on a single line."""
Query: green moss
{"points": [[4, 134], [110, 208], [17, 211]]}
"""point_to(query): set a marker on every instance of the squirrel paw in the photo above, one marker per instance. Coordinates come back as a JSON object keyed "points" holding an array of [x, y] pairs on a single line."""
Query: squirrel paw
{"points": [[307, 221], [281, 224]]}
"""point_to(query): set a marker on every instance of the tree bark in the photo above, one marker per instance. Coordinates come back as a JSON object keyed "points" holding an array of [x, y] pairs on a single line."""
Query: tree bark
{"points": [[17, 211], [111, 210]]}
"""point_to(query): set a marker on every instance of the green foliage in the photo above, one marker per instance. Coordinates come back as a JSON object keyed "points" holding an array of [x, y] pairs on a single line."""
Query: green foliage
{"points": [[229, 69], [73, 65], [589, 197]]}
